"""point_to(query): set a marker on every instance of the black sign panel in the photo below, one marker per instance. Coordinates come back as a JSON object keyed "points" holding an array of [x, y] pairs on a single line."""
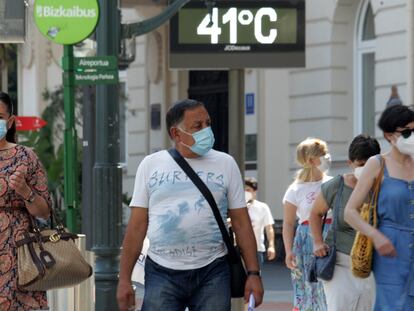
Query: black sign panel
{"points": [[239, 34], [12, 21]]}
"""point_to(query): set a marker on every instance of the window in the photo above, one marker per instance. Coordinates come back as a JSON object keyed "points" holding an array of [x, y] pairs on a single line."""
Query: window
{"points": [[365, 71], [368, 31], [155, 116], [251, 147], [368, 93], [251, 152]]}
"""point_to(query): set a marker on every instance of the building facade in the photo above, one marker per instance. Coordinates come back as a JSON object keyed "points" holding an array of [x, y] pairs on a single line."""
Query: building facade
{"points": [[355, 51]]}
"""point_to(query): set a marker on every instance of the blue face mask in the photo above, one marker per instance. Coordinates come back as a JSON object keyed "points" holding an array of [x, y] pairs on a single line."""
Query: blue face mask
{"points": [[204, 141], [3, 129]]}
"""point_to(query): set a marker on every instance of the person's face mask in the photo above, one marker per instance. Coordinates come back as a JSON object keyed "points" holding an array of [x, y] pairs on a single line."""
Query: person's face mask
{"points": [[203, 141], [3, 128], [405, 143], [248, 196], [325, 163], [358, 171]]}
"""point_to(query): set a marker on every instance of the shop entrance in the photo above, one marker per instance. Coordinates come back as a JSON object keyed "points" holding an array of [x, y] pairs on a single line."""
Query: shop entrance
{"points": [[212, 88]]}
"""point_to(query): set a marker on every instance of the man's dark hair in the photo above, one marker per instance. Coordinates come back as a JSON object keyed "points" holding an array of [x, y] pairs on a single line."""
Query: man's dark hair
{"points": [[11, 133], [176, 113], [363, 147], [394, 117], [250, 182]]}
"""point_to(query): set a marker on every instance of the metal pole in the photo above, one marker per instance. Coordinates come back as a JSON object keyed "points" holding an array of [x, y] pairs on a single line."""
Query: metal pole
{"points": [[88, 161], [70, 139], [236, 117], [236, 136], [107, 173]]}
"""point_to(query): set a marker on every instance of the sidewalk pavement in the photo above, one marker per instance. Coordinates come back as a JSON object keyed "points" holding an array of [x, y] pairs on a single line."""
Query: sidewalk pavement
{"points": [[277, 284], [278, 288]]}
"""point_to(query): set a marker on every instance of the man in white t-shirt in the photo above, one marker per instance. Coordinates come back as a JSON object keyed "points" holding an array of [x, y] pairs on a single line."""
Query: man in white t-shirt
{"points": [[186, 264], [262, 220]]}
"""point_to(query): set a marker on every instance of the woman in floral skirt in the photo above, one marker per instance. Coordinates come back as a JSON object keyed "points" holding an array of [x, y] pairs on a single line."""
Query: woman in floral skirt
{"points": [[23, 191], [313, 157]]}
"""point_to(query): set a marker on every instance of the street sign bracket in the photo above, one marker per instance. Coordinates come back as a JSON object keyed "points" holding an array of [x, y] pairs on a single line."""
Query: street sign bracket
{"points": [[141, 28]]}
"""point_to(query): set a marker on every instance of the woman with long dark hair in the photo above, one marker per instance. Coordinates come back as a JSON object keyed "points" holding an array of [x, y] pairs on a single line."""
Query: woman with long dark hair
{"points": [[23, 191], [344, 291]]}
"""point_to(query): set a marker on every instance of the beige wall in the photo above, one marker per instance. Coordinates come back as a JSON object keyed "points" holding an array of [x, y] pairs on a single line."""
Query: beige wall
{"points": [[319, 100], [273, 138]]}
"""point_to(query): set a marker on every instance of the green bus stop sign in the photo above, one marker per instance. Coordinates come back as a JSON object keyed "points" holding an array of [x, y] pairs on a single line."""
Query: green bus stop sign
{"points": [[66, 22]]}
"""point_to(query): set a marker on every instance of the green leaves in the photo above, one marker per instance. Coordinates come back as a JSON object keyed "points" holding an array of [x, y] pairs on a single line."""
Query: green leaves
{"points": [[47, 143]]}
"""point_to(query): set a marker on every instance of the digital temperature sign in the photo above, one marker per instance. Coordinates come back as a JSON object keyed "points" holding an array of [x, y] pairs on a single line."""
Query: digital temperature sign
{"points": [[239, 34]]}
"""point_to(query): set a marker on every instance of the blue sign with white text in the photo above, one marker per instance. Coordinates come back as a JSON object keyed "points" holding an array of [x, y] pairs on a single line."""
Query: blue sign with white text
{"points": [[250, 103]]}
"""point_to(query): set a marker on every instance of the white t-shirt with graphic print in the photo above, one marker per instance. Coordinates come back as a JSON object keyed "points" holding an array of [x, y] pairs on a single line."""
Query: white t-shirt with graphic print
{"points": [[302, 195], [182, 230]]}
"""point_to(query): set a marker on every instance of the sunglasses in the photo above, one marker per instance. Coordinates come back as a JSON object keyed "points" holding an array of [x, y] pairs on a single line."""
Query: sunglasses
{"points": [[406, 132]]}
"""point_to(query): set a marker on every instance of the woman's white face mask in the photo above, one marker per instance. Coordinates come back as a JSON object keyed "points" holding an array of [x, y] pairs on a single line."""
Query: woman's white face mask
{"points": [[405, 145], [325, 163]]}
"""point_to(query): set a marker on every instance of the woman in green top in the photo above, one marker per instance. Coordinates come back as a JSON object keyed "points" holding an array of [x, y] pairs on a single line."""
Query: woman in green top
{"points": [[344, 291]]}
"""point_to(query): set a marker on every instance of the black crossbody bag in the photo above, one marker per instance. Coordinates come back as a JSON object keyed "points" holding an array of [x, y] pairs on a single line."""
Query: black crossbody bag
{"points": [[237, 271]]}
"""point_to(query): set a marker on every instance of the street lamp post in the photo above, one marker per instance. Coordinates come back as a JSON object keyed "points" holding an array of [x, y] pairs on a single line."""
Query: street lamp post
{"points": [[70, 141], [107, 173]]}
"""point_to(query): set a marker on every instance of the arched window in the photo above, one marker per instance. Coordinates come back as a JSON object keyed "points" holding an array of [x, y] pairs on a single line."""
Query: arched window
{"points": [[365, 70]]}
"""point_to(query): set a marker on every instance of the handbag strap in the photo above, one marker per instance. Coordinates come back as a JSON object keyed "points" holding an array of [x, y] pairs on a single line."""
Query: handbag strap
{"points": [[375, 193], [338, 197], [54, 222], [201, 186]]}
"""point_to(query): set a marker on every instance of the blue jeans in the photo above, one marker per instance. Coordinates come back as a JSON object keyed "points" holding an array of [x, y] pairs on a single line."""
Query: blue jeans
{"points": [[203, 289]]}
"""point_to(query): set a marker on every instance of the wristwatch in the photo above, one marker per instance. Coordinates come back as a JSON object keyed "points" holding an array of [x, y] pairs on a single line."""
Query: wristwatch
{"points": [[257, 273], [31, 197]]}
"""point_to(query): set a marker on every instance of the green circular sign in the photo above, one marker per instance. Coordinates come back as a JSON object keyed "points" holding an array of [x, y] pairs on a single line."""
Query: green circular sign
{"points": [[66, 22]]}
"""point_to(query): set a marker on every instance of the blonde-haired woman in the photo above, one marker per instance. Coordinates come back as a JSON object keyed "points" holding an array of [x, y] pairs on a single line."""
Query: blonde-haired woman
{"points": [[313, 157]]}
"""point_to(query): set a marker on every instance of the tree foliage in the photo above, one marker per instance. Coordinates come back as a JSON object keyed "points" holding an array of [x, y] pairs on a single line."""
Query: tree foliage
{"points": [[48, 144]]}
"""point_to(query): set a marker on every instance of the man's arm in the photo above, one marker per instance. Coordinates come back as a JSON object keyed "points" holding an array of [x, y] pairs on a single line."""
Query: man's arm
{"points": [[131, 248], [242, 227], [270, 235]]}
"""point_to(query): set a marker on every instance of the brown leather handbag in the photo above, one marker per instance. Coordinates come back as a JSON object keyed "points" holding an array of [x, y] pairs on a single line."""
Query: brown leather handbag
{"points": [[49, 259], [363, 248]]}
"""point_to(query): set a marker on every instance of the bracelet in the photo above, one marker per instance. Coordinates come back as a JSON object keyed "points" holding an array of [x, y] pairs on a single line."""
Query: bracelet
{"points": [[31, 197], [258, 273]]}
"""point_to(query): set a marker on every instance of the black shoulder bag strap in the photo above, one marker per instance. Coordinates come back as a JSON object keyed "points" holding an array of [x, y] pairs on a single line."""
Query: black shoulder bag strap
{"points": [[208, 196]]}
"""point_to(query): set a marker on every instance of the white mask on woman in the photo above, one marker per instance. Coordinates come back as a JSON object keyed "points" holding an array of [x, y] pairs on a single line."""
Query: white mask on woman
{"points": [[358, 171], [325, 163], [405, 145]]}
